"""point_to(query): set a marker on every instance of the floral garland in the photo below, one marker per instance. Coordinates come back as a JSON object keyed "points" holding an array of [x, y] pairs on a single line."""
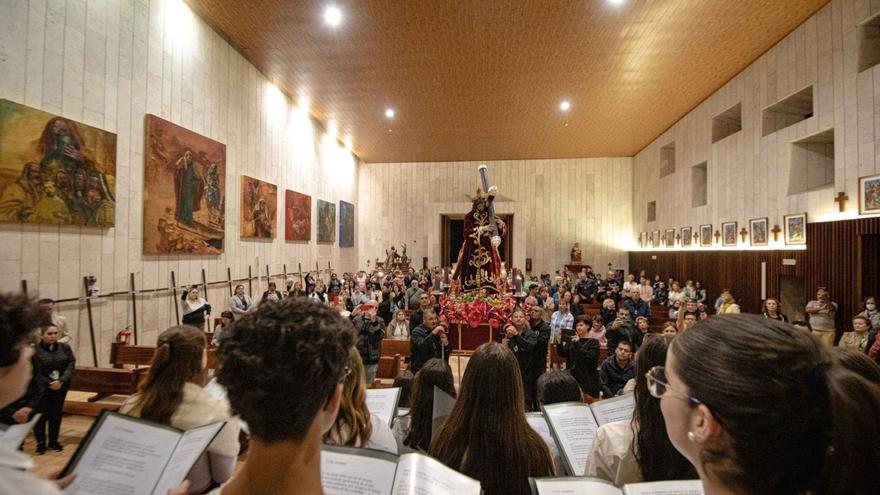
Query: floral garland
{"points": [[493, 310]]}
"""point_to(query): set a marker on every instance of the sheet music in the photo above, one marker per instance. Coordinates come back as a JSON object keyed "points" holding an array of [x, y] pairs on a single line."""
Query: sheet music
{"points": [[382, 402], [189, 448], [615, 409], [688, 487], [14, 435], [442, 407], [574, 486], [574, 429], [123, 456], [348, 471], [539, 423], [420, 475]]}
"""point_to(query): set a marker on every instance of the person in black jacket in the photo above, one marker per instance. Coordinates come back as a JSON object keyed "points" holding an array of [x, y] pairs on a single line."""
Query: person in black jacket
{"points": [[22, 410], [617, 369], [371, 330], [538, 362], [55, 362], [427, 341], [583, 357], [519, 337]]}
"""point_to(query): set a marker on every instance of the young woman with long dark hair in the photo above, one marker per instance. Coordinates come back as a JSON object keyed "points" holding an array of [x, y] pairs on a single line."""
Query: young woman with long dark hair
{"points": [[486, 436], [639, 450], [759, 407], [172, 394], [413, 430]]}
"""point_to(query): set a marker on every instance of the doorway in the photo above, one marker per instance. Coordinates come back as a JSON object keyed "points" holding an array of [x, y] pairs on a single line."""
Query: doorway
{"points": [[791, 297], [452, 237]]}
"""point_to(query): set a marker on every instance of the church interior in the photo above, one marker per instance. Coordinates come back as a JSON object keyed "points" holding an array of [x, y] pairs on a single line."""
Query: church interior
{"points": [[630, 201]]}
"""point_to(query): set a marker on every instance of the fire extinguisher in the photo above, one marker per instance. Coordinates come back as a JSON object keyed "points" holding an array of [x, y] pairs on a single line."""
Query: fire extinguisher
{"points": [[124, 336]]}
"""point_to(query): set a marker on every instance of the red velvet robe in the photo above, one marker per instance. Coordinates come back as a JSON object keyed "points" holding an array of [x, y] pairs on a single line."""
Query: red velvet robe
{"points": [[479, 264]]}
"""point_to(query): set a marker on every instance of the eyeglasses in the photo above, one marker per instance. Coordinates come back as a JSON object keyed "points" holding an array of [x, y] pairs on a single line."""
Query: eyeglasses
{"points": [[658, 385]]}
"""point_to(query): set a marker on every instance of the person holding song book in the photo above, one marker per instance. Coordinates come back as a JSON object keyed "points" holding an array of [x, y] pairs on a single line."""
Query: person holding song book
{"points": [[172, 394], [582, 353], [283, 368], [812, 428], [413, 430], [636, 450], [487, 436], [354, 425]]}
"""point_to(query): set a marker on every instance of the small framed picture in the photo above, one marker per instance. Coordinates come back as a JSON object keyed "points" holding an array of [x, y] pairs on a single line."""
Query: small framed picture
{"points": [[869, 195], [706, 235], [655, 239], [670, 237], [643, 239], [686, 236], [758, 231], [795, 228], [728, 233]]}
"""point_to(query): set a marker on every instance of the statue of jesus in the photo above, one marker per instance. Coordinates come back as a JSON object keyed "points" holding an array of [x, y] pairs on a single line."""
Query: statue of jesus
{"points": [[479, 263]]}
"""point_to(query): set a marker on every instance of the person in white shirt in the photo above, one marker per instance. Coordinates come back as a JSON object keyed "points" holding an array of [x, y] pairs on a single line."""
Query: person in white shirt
{"points": [[355, 426], [240, 303], [398, 329], [632, 451], [58, 321]]}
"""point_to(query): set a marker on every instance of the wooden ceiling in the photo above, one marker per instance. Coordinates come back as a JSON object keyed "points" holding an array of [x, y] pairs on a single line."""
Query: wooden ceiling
{"points": [[483, 79]]}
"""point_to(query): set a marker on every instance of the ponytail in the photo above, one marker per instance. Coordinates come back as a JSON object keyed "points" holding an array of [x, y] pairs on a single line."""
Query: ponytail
{"points": [[853, 455]]}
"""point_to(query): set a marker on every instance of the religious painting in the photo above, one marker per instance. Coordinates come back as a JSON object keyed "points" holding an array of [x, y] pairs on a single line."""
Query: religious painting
{"points": [[184, 190], [687, 234], [728, 233], [655, 239], [326, 221], [759, 232], [795, 228], [297, 216], [346, 224], [670, 237], [869, 195], [643, 240], [54, 170], [706, 235], [259, 208]]}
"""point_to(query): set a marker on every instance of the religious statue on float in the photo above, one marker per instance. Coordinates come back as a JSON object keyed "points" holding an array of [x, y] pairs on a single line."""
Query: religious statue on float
{"points": [[479, 264]]}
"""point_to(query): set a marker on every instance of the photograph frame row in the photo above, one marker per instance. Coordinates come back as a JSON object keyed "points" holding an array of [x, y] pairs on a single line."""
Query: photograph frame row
{"points": [[794, 234]]}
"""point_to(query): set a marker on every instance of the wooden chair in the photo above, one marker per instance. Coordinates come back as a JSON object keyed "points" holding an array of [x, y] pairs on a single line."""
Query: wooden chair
{"points": [[389, 366], [394, 347]]}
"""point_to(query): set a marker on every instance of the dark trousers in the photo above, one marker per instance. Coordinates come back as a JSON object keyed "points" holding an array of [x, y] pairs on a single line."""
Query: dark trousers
{"points": [[51, 407]]}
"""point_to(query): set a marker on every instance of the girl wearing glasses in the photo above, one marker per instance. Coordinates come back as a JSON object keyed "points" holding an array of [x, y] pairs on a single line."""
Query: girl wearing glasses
{"points": [[759, 407]]}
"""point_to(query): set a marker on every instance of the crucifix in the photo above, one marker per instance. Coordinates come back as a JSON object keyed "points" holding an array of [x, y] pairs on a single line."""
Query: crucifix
{"points": [[696, 237], [663, 238], [717, 235], [678, 238], [841, 200], [776, 230], [743, 233]]}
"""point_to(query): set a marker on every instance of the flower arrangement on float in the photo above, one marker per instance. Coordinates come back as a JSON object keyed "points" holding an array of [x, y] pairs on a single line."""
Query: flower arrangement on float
{"points": [[475, 309]]}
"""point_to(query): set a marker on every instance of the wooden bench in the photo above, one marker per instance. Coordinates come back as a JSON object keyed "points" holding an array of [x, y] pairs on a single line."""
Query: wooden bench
{"points": [[103, 382], [390, 347], [122, 355]]}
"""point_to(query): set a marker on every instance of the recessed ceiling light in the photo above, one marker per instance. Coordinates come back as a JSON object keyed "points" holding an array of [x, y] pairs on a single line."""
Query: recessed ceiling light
{"points": [[565, 105], [616, 2], [389, 112], [332, 15]]}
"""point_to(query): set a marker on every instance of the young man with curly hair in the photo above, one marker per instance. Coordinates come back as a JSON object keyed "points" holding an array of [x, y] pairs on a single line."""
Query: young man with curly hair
{"points": [[283, 367]]}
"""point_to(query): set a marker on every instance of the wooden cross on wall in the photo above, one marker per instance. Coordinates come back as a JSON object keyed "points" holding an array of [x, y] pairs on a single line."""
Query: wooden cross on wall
{"points": [[678, 238], [743, 233], [717, 235], [696, 237], [776, 230], [841, 200]]}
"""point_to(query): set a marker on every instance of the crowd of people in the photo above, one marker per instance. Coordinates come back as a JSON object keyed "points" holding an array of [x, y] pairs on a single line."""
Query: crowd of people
{"points": [[703, 405]]}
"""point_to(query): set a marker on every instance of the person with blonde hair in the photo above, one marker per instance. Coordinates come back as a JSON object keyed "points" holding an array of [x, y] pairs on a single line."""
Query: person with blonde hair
{"points": [[354, 425]]}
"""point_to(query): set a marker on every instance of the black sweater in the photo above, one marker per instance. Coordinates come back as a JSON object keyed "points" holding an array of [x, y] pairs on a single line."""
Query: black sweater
{"points": [[57, 359]]}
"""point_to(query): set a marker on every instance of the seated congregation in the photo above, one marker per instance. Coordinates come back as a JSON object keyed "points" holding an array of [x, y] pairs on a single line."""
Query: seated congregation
{"points": [[293, 375]]}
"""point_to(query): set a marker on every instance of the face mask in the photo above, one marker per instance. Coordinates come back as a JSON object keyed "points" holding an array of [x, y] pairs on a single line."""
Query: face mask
{"points": [[871, 307]]}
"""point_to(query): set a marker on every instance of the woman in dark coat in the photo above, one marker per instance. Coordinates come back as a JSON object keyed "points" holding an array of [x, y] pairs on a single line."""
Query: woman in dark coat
{"points": [[54, 363]]}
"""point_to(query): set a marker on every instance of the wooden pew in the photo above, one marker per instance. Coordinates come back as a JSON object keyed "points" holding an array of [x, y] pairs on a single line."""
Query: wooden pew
{"points": [[103, 382], [391, 347], [122, 355]]}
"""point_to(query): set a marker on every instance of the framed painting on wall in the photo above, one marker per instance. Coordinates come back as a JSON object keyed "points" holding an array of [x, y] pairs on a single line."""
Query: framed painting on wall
{"points": [[643, 240], [670, 237], [55, 170], [795, 228], [184, 190], [297, 216], [259, 208], [758, 231], [706, 235], [686, 236], [326, 221], [655, 239], [869, 195], [728, 233], [346, 224]]}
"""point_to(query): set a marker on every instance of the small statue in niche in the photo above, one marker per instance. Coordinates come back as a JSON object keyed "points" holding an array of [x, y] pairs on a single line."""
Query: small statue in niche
{"points": [[575, 254]]}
